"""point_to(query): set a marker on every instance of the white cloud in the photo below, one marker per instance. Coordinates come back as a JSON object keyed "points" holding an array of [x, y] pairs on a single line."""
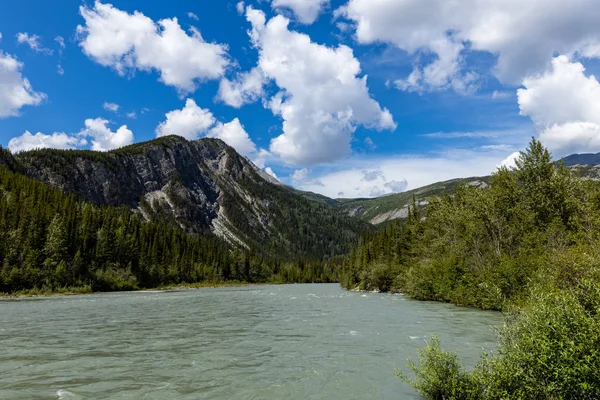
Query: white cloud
{"points": [[443, 73], [190, 122], [61, 41], [399, 173], [321, 99], [131, 115], [60, 70], [369, 142], [269, 171], [572, 137], [57, 140], [34, 42], [499, 95], [307, 11], [127, 42], [246, 88], [108, 106], [240, 7], [564, 104], [234, 134], [193, 16], [16, 91], [523, 35], [103, 139], [371, 176], [397, 186], [261, 157], [301, 177], [193, 122]]}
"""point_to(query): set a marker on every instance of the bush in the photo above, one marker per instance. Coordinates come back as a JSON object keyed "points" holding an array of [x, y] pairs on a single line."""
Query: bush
{"points": [[439, 375], [550, 350]]}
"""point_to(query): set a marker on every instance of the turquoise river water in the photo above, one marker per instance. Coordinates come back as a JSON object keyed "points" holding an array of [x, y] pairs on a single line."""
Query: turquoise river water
{"points": [[253, 342]]}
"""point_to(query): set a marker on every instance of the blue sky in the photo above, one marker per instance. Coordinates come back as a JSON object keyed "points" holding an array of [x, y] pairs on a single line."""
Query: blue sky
{"points": [[451, 89]]}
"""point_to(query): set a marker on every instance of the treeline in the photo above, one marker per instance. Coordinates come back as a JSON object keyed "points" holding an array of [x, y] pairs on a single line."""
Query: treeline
{"points": [[485, 247], [50, 241], [530, 244]]}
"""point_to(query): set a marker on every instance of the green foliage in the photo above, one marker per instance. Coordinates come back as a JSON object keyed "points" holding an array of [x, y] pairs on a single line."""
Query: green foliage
{"points": [[482, 247], [50, 241], [439, 375], [548, 350], [273, 220], [528, 243]]}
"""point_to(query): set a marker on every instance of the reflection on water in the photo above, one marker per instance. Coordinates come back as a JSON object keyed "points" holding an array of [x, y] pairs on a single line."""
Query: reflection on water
{"points": [[265, 342]]}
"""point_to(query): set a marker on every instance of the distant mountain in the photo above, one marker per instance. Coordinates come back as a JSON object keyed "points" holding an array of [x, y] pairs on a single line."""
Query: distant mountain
{"points": [[395, 206], [201, 185], [582, 159]]}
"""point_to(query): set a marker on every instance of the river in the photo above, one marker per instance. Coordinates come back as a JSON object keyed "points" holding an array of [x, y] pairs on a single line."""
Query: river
{"points": [[253, 342]]}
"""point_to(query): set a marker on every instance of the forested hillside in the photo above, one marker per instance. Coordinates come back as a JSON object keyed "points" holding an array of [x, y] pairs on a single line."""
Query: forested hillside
{"points": [[528, 243], [199, 186], [51, 241]]}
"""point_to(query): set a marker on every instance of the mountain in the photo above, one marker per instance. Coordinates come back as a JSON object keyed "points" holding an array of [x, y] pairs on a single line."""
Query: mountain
{"points": [[582, 159], [395, 206], [200, 186]]}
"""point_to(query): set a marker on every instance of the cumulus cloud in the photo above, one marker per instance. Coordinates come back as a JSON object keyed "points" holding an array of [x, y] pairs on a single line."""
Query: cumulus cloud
{"points": [[306, 11], [523, 35], [16, 91], [321, 98], [190, 122], [193, 122], [97, 130], [234, 134], [564, 104], [34, 42], [103, 138], [108, 106], [129, 42], [57, 140], [246, 88], [193, 16]]}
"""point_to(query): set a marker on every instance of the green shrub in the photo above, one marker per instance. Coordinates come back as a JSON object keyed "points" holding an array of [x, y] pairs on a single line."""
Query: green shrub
{"points": [[439, 375], [549, 350]]}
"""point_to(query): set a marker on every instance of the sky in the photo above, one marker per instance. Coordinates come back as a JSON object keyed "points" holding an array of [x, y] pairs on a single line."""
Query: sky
{"points": [[351, 98]]}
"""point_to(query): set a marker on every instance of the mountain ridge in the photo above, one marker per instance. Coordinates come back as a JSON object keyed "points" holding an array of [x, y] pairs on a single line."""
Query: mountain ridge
{"points": [[202, 185]]}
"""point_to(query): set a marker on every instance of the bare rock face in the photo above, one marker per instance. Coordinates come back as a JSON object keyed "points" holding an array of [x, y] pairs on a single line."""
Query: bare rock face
{"points": [[198, 185]]}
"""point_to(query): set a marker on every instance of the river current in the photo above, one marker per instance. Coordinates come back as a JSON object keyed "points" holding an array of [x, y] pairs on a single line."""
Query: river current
{"points": [[252, 342]]}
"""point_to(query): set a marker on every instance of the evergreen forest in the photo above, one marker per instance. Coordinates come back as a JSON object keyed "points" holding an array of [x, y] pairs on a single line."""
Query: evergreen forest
{"points": [[54, 242]]}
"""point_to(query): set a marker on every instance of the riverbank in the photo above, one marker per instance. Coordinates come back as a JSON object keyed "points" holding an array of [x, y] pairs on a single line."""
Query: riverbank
{"points": [[79, 290]]}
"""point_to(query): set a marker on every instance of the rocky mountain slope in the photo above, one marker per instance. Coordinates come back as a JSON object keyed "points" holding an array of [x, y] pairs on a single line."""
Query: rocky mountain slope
{"points": [[200, 186], [395, 206]]}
